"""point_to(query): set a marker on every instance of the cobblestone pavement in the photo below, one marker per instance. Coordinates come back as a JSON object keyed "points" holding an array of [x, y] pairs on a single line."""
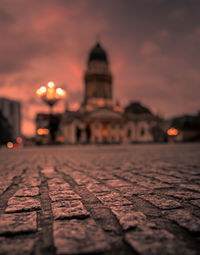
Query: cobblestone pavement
{"points": [[142, 199]]}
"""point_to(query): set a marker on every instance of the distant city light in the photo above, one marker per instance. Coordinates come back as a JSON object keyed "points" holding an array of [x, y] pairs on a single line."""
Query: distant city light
{"points": [[101, 102], [43, 131], [172, 132], [10, 145], [19, 140], [60, 139]]}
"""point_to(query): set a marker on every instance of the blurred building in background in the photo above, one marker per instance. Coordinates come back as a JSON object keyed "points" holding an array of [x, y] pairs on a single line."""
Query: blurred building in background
{"points": [[5, 130], [188, 128], [10, 114], [46, 126], [100, 119]]}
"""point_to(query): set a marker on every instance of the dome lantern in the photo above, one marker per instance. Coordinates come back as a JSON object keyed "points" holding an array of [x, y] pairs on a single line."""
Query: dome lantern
{"points": [[97, 54]]}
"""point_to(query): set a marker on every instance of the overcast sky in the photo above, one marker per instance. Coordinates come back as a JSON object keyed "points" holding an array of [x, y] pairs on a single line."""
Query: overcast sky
{"points": [[153, 47]]}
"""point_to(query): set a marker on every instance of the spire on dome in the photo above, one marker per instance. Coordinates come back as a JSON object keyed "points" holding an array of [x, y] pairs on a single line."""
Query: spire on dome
{"points": [[98, 53]]}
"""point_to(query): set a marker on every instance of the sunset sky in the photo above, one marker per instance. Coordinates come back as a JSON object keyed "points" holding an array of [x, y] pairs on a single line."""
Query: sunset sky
{"points": [[153, 48]]}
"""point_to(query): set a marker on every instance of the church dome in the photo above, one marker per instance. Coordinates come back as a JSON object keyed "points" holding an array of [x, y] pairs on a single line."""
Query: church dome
{"points": [[137, 108], [97, 54]]}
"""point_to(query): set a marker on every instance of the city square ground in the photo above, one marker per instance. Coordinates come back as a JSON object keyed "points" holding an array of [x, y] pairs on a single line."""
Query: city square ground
{"points": [[139, 199]]}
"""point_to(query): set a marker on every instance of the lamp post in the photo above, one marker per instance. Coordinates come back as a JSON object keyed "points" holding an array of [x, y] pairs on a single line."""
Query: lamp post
{"points": [[50, 94]]}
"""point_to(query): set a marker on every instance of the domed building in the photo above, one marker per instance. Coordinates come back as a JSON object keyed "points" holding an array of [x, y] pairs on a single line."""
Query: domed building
{"points": [[98, 80], [99, 119]]}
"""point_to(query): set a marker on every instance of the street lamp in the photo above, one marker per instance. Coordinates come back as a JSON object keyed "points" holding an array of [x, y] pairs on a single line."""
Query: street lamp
{"points": [[51, 95]]}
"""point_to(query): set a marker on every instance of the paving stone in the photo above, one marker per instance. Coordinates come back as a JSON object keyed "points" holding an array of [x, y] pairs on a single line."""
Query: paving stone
{"points": [[155, 185], [183, 194], [103, 216], [168, 179], [69, 209], [58, 186], [16, 204], [151, 241], [16, 246], [117, 183], [144, 181], [194, 179], [18, 223], [185, 219], [193, 187], [133, 190], [195, 202], [55, 182], [112, 199], [128, 217], [102, 175], [78, 236], [161, 202], [81, 178], [67, 194], [49, 172], [27, 192], [136, 178], [31, 178], [58, 190], [4, 185], [7, 175], [98, 188]]}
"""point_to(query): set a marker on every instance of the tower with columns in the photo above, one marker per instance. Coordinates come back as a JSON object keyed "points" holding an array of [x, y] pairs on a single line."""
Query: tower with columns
{"points": [[98, 80]]}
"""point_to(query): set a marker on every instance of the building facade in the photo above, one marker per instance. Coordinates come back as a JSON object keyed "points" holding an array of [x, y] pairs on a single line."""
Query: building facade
{"points": [[98, 81], [100, 120], [48, 128], [11, 110]]}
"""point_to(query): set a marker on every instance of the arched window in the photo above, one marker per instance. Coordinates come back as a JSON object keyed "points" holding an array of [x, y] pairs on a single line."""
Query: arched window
{"points": [[142, 131], [129, 132]]}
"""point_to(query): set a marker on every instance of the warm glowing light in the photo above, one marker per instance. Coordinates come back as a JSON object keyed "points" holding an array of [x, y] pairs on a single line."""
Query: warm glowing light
{"points": [[16, 146], [172, 131], [60, 91], [41, 91], [60, 139], [43, 131], [10, 145], [100, 102], [51, 84], [38, 92], [19, 140], [50, 94]]}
